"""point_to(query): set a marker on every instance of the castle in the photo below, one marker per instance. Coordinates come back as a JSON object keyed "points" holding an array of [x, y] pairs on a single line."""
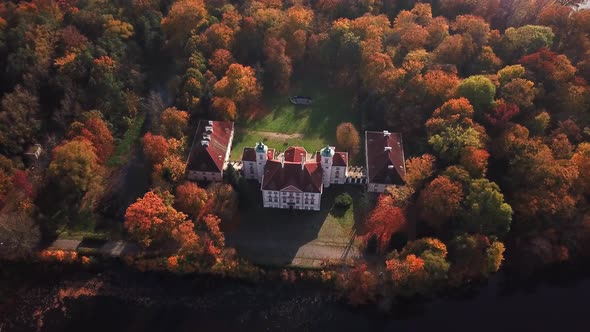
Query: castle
{"points": [[296, 179]]}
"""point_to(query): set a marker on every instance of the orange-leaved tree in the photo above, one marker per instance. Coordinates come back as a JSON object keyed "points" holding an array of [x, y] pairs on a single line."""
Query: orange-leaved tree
{"points": [[348, 137], [385, 220], [152, 219]]}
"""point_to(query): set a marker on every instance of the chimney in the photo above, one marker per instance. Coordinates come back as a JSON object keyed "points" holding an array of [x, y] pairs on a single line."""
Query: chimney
{"points": [[209, 130], [386, 133], [387, 149], [206, 138], [210, 122], [302, 161], [205, 143], [283, 162]]}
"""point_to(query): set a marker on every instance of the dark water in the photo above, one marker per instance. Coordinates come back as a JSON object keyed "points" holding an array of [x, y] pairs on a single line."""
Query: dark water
{"points": [[132, 301]]}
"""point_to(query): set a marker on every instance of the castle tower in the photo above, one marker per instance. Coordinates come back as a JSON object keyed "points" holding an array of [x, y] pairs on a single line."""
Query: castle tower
{"points": [[261, 157], [327, 153]]}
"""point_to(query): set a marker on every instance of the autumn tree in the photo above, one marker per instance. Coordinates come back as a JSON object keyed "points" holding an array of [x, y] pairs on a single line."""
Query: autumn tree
{"points": [[173, 122], [212, 222], [440, 85], [277, 64], [183, 17], [222, 202], [475, 161], [502, 113], [520, 92], [360, 284], [152, 220], [510, 73], [385, 220], [155, 147], [541, 185], [474, 257], [190, 199], [473, 26], [548, 67], [440, 200], [95, 130], [239, 84], [220, 61], [217, 36], [19, 120], [348, 138], [451, 129], [582, 160], [419, 169], [172, 169], [75, 166], [223, 108], [419, 268]]}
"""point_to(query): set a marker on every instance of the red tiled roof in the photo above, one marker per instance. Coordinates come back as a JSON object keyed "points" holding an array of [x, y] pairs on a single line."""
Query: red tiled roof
{"points": [[207, 158], [249, 154], [295, 154], [340, 159], [278, 177], [385, 166]]}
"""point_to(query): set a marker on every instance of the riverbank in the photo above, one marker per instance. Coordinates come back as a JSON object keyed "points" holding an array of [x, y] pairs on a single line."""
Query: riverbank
{"points": [[122, 299]]}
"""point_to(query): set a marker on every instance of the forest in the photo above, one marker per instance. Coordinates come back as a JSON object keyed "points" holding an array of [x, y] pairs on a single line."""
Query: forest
{"points": [[491, 96]]}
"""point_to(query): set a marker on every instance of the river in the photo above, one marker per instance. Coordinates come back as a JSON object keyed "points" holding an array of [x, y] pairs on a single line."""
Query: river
{"points": [[133, 301]]}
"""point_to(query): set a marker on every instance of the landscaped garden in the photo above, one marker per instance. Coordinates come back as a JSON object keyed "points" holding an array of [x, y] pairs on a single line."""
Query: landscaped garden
{"points": [[283, 124]]}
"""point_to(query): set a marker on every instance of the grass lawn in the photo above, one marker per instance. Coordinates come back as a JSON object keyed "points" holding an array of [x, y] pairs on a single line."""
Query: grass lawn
{"points": [[125, 145], [311, 126]]}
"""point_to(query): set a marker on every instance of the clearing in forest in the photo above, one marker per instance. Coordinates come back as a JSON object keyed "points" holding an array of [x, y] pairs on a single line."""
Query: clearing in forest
{"points": [[285, 124]]}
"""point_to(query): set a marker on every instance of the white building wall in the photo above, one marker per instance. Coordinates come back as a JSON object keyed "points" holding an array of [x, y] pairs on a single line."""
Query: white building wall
{"points": [[205, 176], [338, 175], [250, 170], [299, 200], [326, 170], [260, 163]]}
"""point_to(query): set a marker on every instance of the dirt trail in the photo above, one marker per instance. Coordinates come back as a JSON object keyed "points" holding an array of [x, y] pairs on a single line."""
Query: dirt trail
{"points": [[275, 135]]}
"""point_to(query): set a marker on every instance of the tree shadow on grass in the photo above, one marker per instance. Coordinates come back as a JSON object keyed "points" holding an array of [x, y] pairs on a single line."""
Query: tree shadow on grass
{"points": [[273, 237]]}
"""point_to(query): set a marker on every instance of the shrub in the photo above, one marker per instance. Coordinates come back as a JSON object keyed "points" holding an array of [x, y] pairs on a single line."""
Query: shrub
{"points": [[343, 200]]}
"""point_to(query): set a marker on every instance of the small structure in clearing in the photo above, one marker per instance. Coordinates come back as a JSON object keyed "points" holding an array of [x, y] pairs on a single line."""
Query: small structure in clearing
{"points": [[301, 100]]}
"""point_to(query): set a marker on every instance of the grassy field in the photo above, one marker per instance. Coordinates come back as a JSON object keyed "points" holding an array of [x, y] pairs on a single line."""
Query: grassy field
{"points": [[310, 126]]}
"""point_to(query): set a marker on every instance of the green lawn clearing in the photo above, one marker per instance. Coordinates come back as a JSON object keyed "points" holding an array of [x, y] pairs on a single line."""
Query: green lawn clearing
{"points": [[286, 124]]}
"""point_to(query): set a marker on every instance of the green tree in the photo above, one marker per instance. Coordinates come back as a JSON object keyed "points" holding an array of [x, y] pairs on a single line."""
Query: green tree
{"points": [[479, 90], [474, 256], [486, 212], [526, 40]]}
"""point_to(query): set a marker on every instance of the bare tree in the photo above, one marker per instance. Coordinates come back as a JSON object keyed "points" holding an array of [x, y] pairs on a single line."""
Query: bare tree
{"points": [[19, 235]]}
